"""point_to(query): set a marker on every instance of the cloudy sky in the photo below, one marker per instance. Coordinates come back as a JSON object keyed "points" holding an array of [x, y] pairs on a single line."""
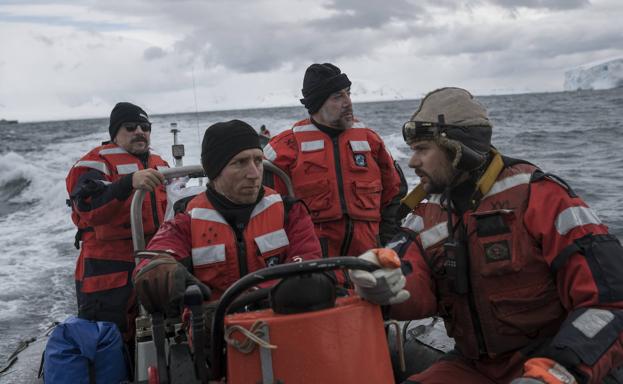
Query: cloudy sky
{"points": [[75, 59]]}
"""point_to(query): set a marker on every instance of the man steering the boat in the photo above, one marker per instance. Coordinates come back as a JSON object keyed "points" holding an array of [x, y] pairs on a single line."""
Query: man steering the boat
{"points": [[339, 167], [236, 227], [526, 277], [100, 187]]}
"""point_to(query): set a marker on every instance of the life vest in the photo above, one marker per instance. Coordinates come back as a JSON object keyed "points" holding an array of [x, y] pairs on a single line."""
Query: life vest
{"points": [[218, 258], [512, 298], [115, 162], [336, 176]]}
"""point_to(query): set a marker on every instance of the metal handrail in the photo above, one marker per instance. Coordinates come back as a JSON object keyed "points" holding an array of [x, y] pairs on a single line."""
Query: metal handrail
{"points": [[136, 212]]}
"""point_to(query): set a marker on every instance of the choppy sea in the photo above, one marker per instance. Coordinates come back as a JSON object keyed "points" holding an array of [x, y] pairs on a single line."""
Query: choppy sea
{"points": [[576, 135]]}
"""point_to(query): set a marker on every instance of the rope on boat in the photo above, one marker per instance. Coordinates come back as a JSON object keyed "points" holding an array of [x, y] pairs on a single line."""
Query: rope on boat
{"points": [[253, 337], [399, 343]]}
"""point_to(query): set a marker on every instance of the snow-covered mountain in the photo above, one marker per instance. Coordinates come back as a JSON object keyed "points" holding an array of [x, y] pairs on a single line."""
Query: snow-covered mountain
{"points": [[602, 75]]}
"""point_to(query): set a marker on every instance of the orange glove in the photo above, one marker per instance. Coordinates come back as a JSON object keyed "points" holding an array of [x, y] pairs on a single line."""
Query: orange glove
{"points": [[543, 370]]}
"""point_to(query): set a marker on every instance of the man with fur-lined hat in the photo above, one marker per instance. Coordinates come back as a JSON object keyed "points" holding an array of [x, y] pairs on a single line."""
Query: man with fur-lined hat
{"points": [[525, 275]]}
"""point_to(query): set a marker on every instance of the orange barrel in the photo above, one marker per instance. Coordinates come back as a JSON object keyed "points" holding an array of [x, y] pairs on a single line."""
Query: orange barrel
{"points": [[345, 344]]}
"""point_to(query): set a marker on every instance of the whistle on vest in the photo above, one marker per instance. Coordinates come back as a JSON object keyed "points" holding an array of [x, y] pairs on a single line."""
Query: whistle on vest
{"points": [[456, 266]]}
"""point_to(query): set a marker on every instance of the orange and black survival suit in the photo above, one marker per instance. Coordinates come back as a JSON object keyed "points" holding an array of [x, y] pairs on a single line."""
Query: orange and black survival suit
{"points": [[522, 269], [345, 177], [100, 190], [219, 241]]}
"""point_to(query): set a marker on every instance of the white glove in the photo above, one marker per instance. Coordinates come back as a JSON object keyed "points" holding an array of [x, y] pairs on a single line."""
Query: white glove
{"points": [[383, 286]]}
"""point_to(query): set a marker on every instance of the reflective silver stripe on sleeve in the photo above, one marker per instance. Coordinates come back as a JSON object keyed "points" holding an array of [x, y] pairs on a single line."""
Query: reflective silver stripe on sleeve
{"points": [[305, 128], [592, 321], [508, 183], [360, 146], [97, 165], [413, 222], [207, 215], [395, 244], [315, 145], [124, 169], [434, 234], [270, 153], [272, 241], [105, 182], [574, 217], [265, 203], [113, 151], [208, 255]]}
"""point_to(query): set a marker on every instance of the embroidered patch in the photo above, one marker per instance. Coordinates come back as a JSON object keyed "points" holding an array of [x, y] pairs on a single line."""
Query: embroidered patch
{"points": [[272, 261], [497, 251], [360, 159]]}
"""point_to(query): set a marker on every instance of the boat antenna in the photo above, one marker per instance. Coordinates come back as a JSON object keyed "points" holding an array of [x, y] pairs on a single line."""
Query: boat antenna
{"points": [[196, 114]]}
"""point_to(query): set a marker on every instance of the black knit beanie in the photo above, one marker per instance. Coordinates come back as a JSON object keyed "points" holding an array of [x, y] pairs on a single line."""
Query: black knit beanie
{"points": [[224, 140], [125, 112], [320, 81]]}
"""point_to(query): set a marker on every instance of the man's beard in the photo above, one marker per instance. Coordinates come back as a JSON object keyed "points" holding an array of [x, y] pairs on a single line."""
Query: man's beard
{"points": [[139, 151]]}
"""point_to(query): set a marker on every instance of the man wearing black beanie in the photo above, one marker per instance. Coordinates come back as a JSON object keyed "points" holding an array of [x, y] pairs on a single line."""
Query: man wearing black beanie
{"points": [[338, 167], [100, 187], [236, 227]]}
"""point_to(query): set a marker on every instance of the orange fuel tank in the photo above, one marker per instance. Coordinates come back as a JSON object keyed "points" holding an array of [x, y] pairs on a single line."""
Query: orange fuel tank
{"points": [[345, 344]]}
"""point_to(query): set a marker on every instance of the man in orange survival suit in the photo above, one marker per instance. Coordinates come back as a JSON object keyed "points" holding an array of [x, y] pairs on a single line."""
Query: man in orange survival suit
{"points": [[100, 185], [338, 167], [525, 275], [236, 227]]}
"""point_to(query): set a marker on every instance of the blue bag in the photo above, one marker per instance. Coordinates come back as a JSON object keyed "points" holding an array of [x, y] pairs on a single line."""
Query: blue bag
{"points": [[84, 351]]}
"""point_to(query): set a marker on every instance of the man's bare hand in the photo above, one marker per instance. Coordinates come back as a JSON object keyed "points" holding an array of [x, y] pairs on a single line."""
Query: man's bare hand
{"points": [[147, 179]]}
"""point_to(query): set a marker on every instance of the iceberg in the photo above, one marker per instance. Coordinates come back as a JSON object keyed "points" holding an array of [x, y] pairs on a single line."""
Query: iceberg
{"points": [[601, 75]]}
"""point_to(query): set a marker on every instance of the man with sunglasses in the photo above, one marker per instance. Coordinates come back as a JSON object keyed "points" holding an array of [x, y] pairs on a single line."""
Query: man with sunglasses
{"points": [[526, 277], [339, 167], [100, 187]]}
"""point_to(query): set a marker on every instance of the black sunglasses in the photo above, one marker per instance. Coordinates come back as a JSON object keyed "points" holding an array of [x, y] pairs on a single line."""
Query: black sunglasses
{"points": [[131, 127]]}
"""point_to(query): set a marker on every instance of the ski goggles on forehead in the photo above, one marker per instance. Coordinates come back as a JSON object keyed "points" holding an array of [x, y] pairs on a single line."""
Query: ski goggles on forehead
{"points": [[413, 131], [131, 127]]}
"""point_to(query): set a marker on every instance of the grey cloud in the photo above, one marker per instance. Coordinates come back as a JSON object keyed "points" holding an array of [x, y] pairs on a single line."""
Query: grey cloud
{"points": [[153, 53], [544, 4], [242, 37], [367, 14], [45, 40]]}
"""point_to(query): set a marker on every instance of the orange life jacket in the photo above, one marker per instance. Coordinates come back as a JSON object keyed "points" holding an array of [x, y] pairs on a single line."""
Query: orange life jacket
{"points": [[336, 176], [218, 256], [512, 298], [115, 162]]}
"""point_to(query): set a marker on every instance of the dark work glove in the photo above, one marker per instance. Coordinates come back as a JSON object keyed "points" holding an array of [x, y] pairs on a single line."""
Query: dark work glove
{"points": [[160, 285]]}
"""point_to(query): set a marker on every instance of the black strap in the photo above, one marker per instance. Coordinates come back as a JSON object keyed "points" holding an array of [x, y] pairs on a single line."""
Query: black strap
{"points": [[564, 256], [91, 372], [78, 237], [578, 245], [540, 175]]}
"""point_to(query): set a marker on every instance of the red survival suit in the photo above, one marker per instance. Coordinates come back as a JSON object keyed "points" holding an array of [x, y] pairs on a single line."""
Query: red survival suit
{"points": [[345, 181], [100, 190], [541, 277], [203, 241]]}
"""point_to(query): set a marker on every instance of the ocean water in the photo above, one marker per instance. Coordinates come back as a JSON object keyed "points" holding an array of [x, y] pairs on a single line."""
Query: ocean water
{"points": [[576, 135]]}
